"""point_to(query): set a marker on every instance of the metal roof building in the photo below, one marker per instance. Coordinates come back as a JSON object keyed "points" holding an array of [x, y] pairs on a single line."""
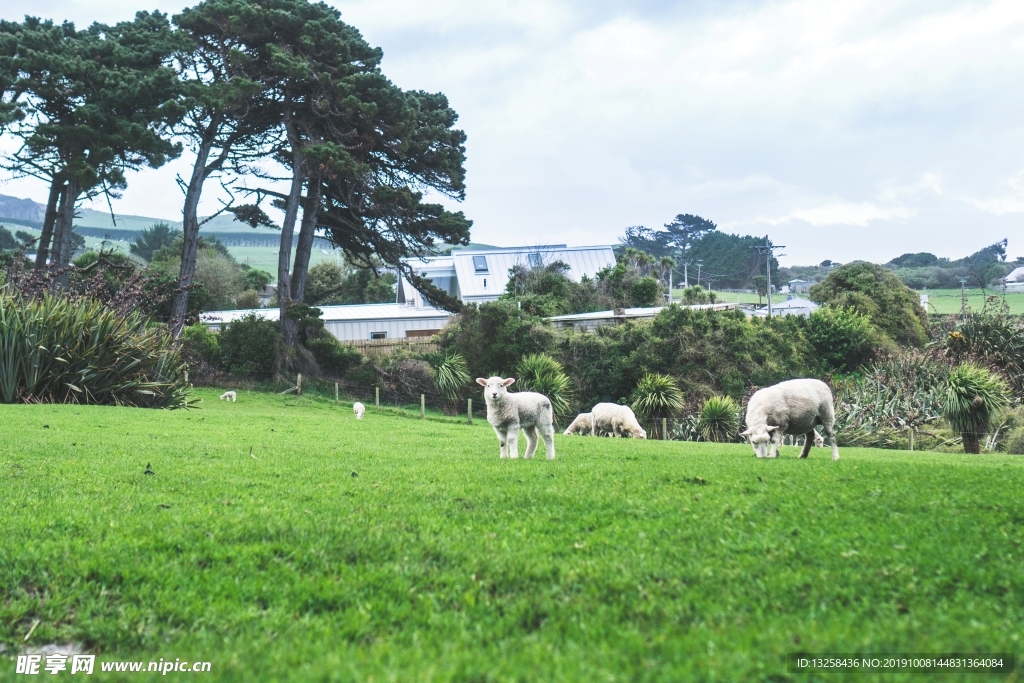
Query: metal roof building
{"points": [[480, 275], [354, 323], [588, 322]]}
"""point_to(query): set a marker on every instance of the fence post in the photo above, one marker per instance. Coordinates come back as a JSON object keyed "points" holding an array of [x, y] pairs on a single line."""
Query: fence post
{"points": [[423, 405], [469, 411], [298, 385], [335, 392], [664, 429], [186, 377], [911, 438], [376, 396]]}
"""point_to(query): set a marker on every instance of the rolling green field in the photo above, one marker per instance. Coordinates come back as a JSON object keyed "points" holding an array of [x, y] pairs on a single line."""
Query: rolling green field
{"points": [[939, 300], [282, 540]]}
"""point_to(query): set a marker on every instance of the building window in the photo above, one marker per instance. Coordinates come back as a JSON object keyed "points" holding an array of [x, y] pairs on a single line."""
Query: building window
{"points": [[485, 283], [378, 335], [534, 260], [480, 264]]}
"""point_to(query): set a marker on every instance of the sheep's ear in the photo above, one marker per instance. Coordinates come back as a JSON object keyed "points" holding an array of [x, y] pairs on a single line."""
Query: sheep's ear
{"points": [[770, 428], [510, 381], [481, 381], [746, 433]]}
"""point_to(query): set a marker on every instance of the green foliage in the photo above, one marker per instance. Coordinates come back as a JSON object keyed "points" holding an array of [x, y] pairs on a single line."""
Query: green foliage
{"points": [[153, 239], [656, 395], [843, 340], [874, 291], [1014, 441], [644, 292], [7, 240], [451, 376], [330, 284], [548, 291], [333, 358], [974, 395], [991, 337], [543, 374], [760, 285], [697, 295], [57, 350], [495, 337], [248, 346], [254, 279], [719, 419], [200, 344], [730, 259], [250, 298]]}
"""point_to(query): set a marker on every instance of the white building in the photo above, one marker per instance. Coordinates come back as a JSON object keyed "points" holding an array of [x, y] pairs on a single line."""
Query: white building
{"points": [[1014, 282], [480, 275], [795, 306], [355, 323], [588, 322]]}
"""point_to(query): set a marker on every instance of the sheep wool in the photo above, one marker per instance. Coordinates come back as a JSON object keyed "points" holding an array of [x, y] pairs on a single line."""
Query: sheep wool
{"points": [[358, 409], [792, 407], [611, 418], [581, 425], [508, 413]]}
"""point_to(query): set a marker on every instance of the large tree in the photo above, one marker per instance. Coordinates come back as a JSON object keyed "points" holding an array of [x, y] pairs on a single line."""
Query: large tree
{"points": [[98, 104]]}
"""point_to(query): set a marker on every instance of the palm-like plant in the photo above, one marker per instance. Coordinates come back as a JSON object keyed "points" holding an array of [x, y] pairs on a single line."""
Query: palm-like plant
{"points": [[450, 378], [719, 419], [542, 373], [973, 397], [656, 396]]}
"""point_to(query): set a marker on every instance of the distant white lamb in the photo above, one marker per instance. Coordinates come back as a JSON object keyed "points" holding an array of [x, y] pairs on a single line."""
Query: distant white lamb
{"points": [[791, 407], [581, 425], [508, 413], [616, 420], [359, 409], [228, 396]]}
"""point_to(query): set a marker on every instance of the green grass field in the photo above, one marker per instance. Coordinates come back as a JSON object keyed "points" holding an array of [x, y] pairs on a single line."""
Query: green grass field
{"points": [[939, 300], [400, 549]]}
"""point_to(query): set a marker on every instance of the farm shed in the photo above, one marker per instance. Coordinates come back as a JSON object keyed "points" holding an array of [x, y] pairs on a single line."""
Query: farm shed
{"points": [[588, 322], [794, 306], [357, 322], [1014, 282], [480, 275], [799, 286]]}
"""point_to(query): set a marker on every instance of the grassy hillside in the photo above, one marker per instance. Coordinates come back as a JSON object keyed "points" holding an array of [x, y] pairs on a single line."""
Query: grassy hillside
{"points": [[939, 300], [280, 539]]}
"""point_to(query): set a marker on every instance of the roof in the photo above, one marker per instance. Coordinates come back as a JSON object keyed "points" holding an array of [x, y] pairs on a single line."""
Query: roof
{"points": [[335, 313], [1015, 275], [633, 313], [582, 261]]}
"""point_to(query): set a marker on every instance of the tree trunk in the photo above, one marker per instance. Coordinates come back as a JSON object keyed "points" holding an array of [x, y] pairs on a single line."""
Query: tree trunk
{"points": [[972, 443], [190, 236], [289, 327], [310, 211], [62, 233], [43, 247]]}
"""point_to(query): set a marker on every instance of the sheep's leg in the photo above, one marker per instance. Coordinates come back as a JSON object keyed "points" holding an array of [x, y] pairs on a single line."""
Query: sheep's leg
{"points": [[776, 441], [808, 440], [512, 443], [531, 441], [547, 433], [830, 436], [502, 440]]}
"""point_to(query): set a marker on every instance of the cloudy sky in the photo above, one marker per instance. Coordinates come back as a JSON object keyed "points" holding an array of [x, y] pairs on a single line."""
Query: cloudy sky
{"points": [[843, 129]]}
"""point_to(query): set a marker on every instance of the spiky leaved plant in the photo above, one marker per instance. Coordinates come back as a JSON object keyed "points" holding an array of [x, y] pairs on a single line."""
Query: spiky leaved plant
{"points": [[451, 376], [656, 396], [973, 397], [541, 373], [719, 419]]}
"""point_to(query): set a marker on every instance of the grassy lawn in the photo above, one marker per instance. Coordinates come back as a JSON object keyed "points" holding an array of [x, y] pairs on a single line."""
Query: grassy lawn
{"points": [[400, 549], [939, 300]]}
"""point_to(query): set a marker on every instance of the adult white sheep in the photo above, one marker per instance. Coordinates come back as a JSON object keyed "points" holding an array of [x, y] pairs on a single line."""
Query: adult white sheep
{"points": [[792, 407], [526, 410], [358, 409], [616, 420], [581, 425]]}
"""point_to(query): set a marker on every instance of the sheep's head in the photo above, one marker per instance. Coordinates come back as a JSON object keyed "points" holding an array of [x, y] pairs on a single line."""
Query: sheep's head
{"points": [[759, 438], [638, 433], [495, 388]]}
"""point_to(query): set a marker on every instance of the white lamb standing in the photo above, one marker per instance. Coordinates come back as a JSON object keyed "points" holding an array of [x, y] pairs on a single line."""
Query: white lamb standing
{"points": [[581, 425], [359, 409], [611, 418], [791, 407], [508, 413], [228, 396]]}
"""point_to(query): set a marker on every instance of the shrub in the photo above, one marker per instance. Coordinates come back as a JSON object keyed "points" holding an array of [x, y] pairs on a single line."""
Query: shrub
{"points": [[1015, 441], [644, 292], [200, 344], [872, 290], [543, 374], [719, 419], [451, 377], [250, 298], [992, 337], [656, 396], [333, 358], [248, 346], [973, 397], [58, 350], [842, 339], [495, 337]]}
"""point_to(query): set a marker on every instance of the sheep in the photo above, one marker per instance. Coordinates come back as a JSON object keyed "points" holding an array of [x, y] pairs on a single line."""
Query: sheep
{"points": [[615, 420], [791, 407], [508, 413], [229, 396], [358, 408], [581, 425]]}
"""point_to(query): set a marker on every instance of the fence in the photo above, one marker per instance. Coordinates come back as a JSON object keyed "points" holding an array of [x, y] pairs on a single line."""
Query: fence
{"points": [[386, 347]]}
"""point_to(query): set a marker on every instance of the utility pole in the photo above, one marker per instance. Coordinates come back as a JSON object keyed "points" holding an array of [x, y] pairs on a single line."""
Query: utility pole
{"points": [[700, 262], [963, 296], [768, 248], [686, 275]]}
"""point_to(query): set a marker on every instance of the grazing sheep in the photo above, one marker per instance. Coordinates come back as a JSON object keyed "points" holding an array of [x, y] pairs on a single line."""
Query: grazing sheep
{"points": [[819, 440], [229, 396], [615, 420], [581, 425], [508, 413], [792, 407], [359, 409]]}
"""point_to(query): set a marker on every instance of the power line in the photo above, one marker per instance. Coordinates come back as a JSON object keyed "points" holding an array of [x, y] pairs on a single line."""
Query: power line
{"points": [[768, 248]]}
